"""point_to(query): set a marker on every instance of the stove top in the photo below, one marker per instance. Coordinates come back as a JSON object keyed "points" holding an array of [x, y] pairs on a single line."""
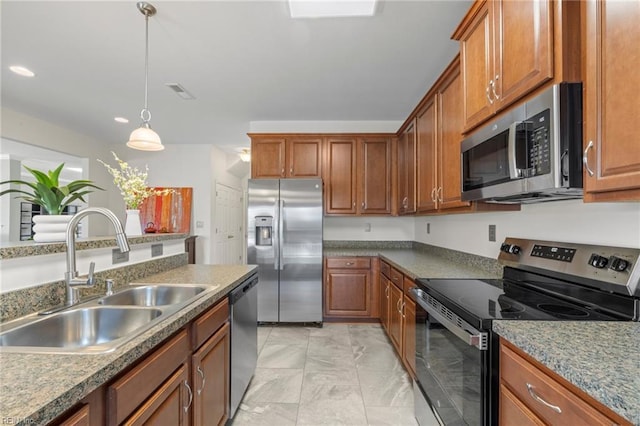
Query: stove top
{"points": [[545, 280]]}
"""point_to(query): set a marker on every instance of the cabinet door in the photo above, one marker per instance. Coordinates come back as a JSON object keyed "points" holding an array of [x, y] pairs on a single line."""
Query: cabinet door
{"points": [[477, 65], [514, 412], [409, 335], [426, 157], [385, 300], [82, 417], [449, 139], [612, 108], [348, 293], [210, 378], [407, 170], [268, 158], [395, 317], [523, 48], [374, 164], [340, 176], [169, 405], [304, 157]]}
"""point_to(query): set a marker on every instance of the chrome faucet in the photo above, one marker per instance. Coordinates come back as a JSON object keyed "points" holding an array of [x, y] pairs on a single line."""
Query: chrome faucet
{"points": [[70, 277]]}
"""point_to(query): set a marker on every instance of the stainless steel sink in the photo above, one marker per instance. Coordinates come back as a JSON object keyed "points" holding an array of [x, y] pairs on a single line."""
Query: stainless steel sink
{"points": [[88, 329], [99, 326], [154, 295]]}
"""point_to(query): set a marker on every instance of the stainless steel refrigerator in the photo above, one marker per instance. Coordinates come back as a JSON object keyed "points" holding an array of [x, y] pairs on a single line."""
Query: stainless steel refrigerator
{"points": [[284, 238]]}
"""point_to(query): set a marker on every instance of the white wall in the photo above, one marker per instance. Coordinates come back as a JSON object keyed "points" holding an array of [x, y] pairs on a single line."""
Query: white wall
{"points": [[616, 224], [381, 228]]}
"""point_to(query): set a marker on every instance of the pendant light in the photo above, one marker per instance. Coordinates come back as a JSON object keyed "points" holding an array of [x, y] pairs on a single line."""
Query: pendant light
{"points": [[144, 138]]}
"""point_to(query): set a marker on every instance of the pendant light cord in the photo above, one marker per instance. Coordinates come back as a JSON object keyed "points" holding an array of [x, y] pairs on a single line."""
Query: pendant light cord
{"points": [[146, 118]]}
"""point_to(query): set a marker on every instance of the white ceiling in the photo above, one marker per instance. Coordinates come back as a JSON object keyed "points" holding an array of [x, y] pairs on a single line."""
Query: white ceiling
{"points": [[243, 61]]}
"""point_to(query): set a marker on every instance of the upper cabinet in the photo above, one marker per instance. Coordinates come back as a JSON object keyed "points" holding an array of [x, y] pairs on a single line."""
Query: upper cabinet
{"points": [[509, 48], [612, 60], [439, 131], [286, 156], [406, 194], [357, 175]]}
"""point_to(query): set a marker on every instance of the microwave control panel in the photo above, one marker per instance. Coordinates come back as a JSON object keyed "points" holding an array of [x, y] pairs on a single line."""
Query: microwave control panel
{"points": [[538, 144]]}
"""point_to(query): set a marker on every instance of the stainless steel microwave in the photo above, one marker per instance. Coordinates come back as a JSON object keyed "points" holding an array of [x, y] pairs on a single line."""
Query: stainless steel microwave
{"points": [[532, 153]]}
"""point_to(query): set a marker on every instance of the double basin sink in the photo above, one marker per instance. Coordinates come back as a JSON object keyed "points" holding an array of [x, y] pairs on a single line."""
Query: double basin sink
{"points": [[101, 325]]}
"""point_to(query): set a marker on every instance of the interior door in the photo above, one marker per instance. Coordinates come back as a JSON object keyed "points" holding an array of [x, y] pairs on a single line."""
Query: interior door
{"points": [[301, 250], [228, 222]]}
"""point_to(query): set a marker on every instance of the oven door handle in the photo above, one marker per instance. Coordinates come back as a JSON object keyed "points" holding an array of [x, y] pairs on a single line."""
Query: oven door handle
{"points": [[460, 328]]}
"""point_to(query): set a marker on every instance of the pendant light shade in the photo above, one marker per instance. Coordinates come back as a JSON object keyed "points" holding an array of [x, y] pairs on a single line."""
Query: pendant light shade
{"points": [[144, 138]]}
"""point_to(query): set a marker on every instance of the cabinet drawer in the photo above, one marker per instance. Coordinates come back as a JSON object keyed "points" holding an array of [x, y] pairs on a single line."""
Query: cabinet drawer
{"points": [[397, 278], [209, 322], [385, 269], [532, 386], [348, 262], [407, 283], [126, 394]]}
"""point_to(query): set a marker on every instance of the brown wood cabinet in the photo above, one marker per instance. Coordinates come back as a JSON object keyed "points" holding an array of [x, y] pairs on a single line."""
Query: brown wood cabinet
{"points": [[160, 384], [286, 156], [350, 289], [439, 134], [407, 170], [80, 417], [506, 50], [357, 175], [509, 49], [398, 314], [532, 394], [612, 60]]}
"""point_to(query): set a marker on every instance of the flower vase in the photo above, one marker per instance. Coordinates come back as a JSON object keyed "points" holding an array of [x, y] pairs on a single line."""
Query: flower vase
{"points": [[50, 228], [132, 225]]}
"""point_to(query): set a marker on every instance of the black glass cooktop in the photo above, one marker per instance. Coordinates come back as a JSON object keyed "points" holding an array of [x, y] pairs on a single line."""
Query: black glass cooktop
{"points": [[484, 300]]}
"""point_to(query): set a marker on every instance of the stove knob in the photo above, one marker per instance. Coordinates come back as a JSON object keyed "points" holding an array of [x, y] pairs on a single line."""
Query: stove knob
{"points": [[510, 248], [598, 261], [618, 264]]}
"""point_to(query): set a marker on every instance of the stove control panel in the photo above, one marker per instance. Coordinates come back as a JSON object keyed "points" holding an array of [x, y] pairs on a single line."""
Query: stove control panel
{"points": [[615, 269]]}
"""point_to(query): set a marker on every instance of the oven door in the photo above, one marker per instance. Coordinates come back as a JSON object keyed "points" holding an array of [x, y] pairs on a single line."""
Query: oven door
{"points": [[452, 365]]}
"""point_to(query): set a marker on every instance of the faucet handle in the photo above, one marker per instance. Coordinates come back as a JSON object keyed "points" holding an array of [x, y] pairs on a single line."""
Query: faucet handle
{"points": [[90, 278]]}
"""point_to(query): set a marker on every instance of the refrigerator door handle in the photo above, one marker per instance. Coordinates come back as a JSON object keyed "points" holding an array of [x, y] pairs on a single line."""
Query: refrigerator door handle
{"points": [[276, 237], [280, 234]]}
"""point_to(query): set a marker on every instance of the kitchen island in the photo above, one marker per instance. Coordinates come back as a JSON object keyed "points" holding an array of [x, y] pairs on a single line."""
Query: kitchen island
{"points": [[35, 388]]}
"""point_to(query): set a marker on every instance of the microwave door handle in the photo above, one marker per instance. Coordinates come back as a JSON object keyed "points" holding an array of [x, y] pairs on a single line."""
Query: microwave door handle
{"points": [[469, 335], [514, 171]]}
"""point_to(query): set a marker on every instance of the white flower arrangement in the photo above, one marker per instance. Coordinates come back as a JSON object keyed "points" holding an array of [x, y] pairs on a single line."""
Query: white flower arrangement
{"points": [[131, 182]]}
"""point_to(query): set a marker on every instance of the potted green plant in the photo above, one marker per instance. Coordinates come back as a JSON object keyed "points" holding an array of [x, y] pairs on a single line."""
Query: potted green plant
{"points": [[47, 192]]}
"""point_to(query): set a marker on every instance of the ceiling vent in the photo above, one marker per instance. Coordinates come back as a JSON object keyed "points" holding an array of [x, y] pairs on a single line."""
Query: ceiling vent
{"points": [[180, 91]]}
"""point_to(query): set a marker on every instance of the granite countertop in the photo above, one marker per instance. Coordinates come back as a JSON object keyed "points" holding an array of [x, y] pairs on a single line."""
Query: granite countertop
{"points": [[36, 388], [416, 263], [601, 358]]}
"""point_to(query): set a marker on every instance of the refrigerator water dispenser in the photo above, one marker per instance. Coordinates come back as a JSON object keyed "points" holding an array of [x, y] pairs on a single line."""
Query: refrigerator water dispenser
{"points": [[264, 230]]}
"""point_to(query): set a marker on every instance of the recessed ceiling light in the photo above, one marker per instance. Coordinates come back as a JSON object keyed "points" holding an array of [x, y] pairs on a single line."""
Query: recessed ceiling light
{"points": [[331, 8], [25, 72], [121, 120]]}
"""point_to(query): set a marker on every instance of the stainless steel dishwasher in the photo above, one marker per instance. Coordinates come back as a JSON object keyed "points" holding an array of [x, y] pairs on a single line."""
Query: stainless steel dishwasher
{"points": [[244, 339]]}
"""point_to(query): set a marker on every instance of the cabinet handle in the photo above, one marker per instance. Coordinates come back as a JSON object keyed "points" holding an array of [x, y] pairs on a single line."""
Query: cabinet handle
{"points": [[364, 205], [433, 195], [403, 310], [405, 202], [386, 291], [493, 87], [439, 194], [354, 204], [585, 159], [282, 172], [542, 401], [202, 375], [398, 305], [349, 263], [186, 409], [291, 171], [487, 93]]}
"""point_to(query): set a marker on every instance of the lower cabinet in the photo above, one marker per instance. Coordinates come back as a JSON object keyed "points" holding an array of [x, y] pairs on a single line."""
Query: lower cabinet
{"points": [[350, 288], [398, 314], [183, 382], [531, 394]]}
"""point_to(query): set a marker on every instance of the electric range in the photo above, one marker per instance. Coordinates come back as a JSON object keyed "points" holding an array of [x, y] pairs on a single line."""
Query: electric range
{"points": [[457, 353]]}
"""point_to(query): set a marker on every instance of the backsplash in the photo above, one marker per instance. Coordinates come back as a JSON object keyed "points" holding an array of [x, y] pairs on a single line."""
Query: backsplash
{"points": [[15, 304]]}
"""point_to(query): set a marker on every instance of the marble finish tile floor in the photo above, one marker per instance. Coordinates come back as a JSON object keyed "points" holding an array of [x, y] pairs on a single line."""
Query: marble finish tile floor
{"points": [[340, 374]]}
